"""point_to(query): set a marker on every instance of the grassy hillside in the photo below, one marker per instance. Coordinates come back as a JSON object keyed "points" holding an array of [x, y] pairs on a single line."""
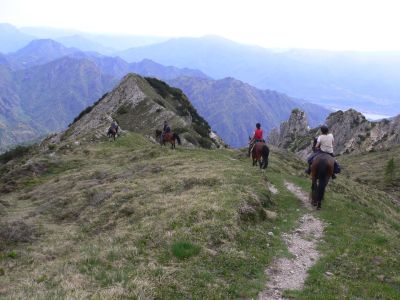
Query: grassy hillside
{"points": [[369, 168], [128, 219]]}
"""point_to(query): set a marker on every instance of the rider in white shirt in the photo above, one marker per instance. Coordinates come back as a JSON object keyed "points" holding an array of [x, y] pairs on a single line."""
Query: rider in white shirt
{"points": [[324, 145]]}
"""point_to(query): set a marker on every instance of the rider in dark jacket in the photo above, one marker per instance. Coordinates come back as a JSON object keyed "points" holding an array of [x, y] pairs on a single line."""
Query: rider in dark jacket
{"points": [[165, 130]]}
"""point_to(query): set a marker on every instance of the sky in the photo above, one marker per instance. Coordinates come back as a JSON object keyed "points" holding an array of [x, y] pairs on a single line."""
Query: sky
{"points": [[368, 25]]}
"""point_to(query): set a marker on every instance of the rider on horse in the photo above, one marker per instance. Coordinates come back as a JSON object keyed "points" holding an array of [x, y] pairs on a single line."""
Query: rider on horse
{"points": [[257, 137], [114, 125], [323, 144], [165, 130]]}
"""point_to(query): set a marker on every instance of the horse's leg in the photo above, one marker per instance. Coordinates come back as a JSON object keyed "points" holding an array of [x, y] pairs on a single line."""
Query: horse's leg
{"points": [[314, 192], [322, 183]]}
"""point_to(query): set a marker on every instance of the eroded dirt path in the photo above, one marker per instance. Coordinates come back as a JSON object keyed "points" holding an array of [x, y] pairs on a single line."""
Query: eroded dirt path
{"points": [[290, 274]]}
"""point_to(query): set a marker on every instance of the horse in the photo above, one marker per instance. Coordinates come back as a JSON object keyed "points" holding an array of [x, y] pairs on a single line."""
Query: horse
{"points": [[168, 137], [112, 132], [260, 153], [321, 171]]}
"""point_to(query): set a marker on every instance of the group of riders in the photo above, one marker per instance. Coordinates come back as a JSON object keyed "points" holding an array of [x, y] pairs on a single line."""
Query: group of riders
{"points": [[323, 144]]}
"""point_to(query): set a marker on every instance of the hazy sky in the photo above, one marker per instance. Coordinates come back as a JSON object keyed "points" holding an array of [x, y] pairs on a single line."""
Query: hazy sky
{"points": [[323, 24]]}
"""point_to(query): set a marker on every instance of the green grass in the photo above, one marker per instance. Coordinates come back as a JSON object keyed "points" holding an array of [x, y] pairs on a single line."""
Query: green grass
{"points": [[361, 245], [130, 219], [112, 215], [184, 249]]}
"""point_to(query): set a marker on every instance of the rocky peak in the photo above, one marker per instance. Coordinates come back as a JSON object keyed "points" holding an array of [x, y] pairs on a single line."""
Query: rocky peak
{"points": [[351, 130], [290, 130]]}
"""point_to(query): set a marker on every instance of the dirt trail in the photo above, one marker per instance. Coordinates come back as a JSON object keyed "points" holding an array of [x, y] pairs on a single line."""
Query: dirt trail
{"points": [[290, 274]]}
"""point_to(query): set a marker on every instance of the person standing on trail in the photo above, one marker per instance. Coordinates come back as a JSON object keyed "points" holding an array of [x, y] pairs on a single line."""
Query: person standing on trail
{"points": [[323, 144], [257, 137]]}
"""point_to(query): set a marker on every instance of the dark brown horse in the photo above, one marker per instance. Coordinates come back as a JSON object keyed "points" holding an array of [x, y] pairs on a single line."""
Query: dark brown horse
{"points": [[260, 154], [112, 132], [321, 171], [168, 137]]}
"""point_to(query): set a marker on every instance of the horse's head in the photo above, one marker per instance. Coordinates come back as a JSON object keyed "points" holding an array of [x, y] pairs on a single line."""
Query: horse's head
{"points": [[158, 133]]}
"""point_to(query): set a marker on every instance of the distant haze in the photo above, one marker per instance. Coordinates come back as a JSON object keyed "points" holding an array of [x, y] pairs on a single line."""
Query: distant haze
{"points": [[320, 24]]}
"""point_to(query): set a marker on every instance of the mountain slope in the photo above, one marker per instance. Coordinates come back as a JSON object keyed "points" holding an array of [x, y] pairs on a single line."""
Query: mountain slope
{"points": [[38, 52], [131, 219], [44, 94], [233, 107], [45, 98], [12, 39], [364, 81], [142, 105]]}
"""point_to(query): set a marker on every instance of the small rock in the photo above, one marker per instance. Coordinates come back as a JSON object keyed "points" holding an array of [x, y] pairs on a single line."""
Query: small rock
{"points": [[328, 273], [271, 214], [270, 233], [291, 272], [381, 278]]}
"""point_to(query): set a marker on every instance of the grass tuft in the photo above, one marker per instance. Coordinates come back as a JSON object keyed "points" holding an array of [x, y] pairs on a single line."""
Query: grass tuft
{"points": [[184, 250]]}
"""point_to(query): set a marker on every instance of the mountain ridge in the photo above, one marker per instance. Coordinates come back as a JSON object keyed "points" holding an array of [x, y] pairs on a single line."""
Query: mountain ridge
{"points": [[234, 107], [336, 79]]}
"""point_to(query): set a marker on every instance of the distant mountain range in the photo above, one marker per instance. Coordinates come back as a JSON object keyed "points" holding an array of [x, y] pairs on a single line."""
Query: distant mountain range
{"points": [[368, 82], [45, 85], [48, 84], [13, 38], [233, 108]]}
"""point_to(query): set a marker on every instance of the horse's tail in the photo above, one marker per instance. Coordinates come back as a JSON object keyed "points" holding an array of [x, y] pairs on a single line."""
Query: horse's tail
{"points": [[265, 154], [176, 136]]}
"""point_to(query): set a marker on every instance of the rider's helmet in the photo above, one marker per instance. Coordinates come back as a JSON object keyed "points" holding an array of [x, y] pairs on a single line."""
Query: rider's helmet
{"points": [[324, 129]]}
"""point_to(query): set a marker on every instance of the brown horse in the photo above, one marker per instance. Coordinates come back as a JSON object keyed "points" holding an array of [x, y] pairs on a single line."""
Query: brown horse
{"points": [[260, 154], [168, 137], [321, 171]]}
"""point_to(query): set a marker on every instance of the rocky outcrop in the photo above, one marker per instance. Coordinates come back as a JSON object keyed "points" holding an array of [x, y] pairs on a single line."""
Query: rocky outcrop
{"points": [[291, 131], [352, 132]]}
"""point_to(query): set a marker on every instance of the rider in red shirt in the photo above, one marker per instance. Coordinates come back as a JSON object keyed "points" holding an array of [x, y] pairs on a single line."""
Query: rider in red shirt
{"points": [[257, 137]]}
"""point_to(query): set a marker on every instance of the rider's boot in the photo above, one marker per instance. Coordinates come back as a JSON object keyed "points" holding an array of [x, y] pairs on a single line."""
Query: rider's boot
{"points": [[308, 170]]}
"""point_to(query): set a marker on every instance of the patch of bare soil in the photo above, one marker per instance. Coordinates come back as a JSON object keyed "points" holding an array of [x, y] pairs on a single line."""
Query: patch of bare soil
{"points": [[290, 274]]}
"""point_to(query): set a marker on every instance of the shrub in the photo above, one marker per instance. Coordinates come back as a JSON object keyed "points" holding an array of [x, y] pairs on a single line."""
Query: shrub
{"points": [[191, 139], [14, 153], [204, 142], [390, 171], [122, 110]]}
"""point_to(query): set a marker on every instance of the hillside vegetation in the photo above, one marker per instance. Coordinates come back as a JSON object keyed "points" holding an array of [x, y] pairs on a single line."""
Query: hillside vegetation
{"points": [[370, 168], [130, 219]]}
